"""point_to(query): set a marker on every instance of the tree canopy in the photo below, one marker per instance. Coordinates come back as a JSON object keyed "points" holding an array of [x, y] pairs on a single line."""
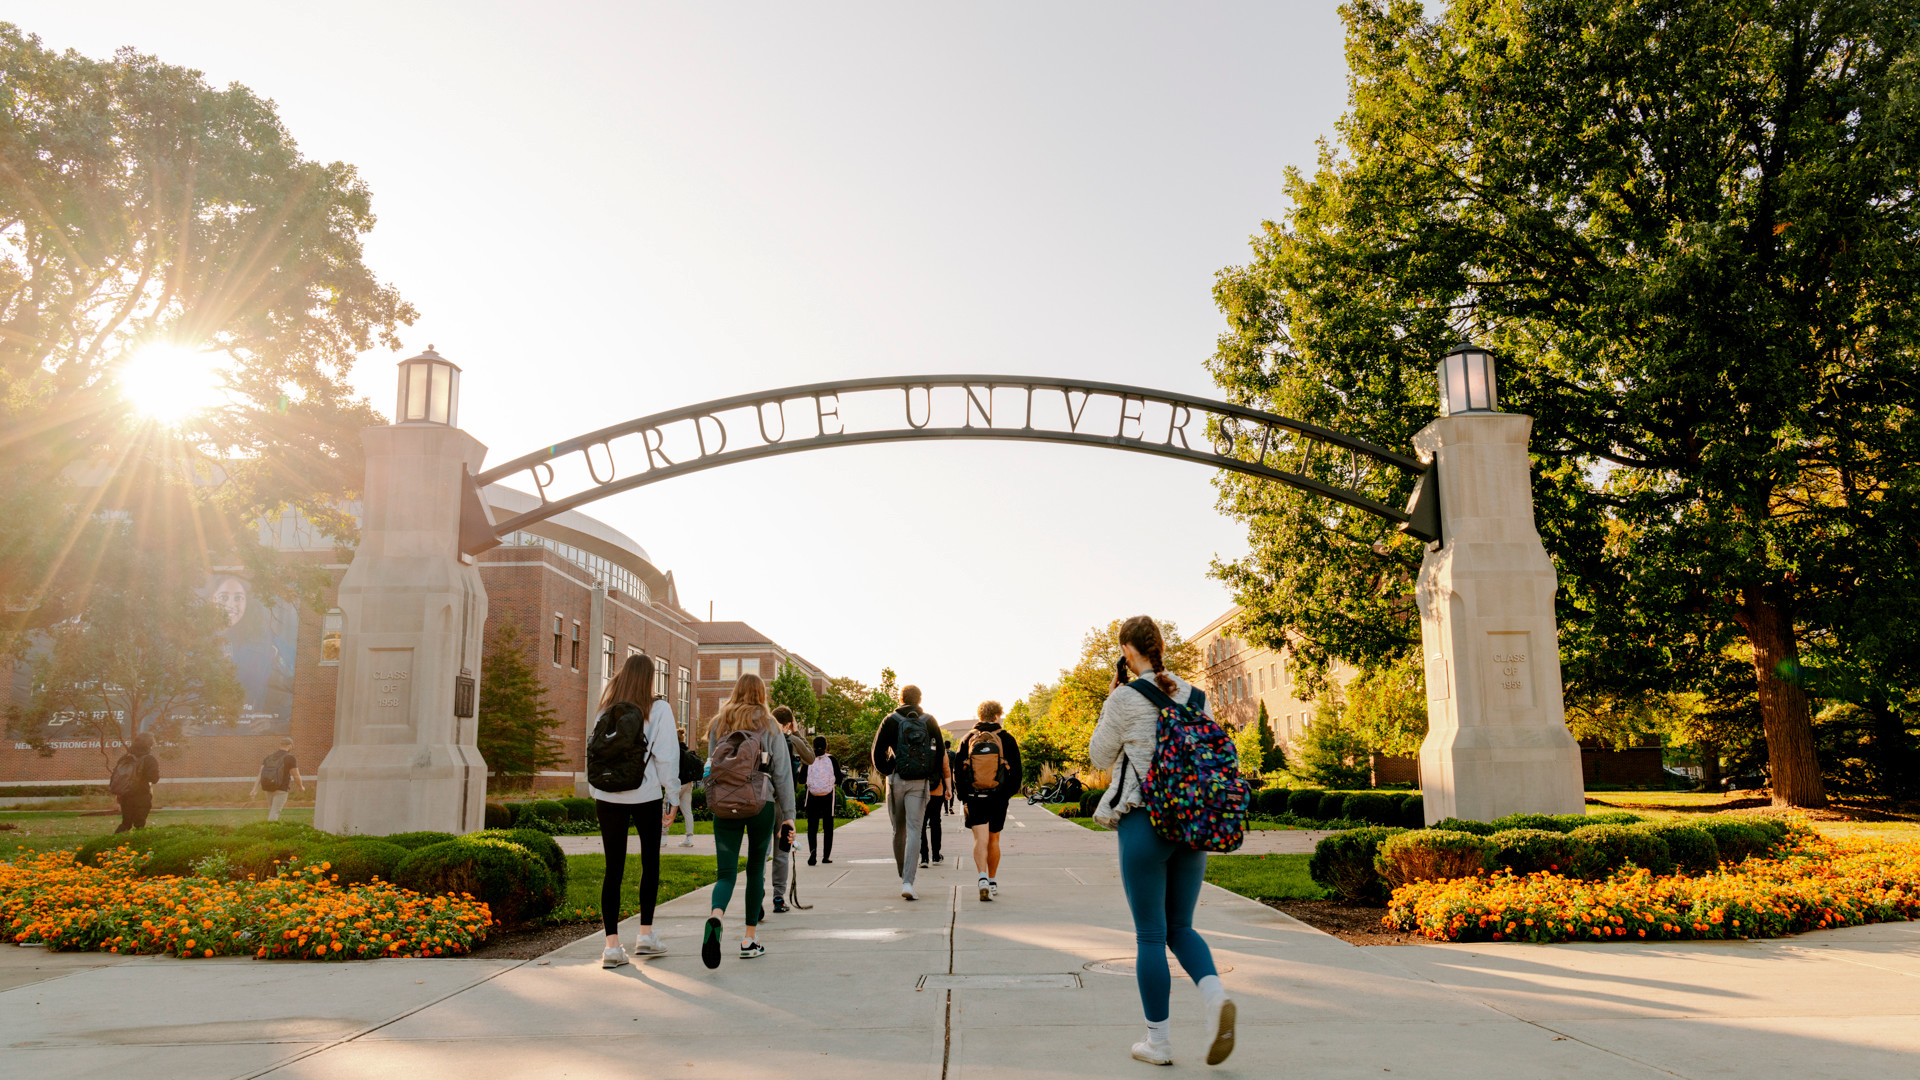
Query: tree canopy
{"points": [[1058, 719], [1689, 233]]}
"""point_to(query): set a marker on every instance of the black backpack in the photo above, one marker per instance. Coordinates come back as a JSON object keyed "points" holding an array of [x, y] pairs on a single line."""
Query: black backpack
{"points": [[617, 753], [917, 750], [126, 774], [690, 765], [273, 772]]}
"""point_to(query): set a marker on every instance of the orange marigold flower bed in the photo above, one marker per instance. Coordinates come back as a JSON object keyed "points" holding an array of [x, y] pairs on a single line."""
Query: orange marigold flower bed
{"points": [[1817, 885], [53, 900]]}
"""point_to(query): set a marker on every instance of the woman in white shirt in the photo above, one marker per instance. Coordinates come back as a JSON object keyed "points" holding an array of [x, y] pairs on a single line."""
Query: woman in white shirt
{"points": [[629, 700]]}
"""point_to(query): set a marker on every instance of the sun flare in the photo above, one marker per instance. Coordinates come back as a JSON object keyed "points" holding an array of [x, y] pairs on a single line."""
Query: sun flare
{"points": [[168, 383]]}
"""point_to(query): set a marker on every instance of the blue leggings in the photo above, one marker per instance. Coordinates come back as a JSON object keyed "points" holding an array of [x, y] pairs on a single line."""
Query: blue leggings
{"points": [[1162, 880]]}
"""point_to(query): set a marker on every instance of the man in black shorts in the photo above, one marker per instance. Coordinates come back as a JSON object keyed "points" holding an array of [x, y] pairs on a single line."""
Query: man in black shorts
{"points": [[986, 779]]}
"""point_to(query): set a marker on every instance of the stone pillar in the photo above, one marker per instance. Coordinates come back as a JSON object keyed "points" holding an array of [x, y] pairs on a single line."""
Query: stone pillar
{"points": [[1497, 740], [413, 612], [597, 676]]}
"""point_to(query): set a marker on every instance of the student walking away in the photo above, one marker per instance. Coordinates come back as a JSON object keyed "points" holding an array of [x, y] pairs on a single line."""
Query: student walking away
{"points": [[750, 791], [631, 766], [691, 766], [986, 780], [278, 773], [132, 782], [799, 756], [907, 751], [939, 790], [823, 779], [1158, 728]]}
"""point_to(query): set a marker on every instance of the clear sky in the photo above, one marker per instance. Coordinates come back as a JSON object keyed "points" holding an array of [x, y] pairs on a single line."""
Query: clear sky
{"points": [[606, 210]]}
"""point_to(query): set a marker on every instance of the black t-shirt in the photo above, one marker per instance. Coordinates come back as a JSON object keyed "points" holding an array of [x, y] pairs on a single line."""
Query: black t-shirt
{"points": [[288, 766]]}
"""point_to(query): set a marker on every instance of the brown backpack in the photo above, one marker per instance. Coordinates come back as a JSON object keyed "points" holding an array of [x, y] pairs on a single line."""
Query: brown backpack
{"points": [[738, 785], [986, 761]]}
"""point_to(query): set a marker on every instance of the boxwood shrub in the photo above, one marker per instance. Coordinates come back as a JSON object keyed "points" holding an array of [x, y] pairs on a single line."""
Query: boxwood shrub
{"points": [[1432, 855], [1545, 822], [413, 841], [1454, 824], [1610, 817], [1624, 844], [1304, 803], [357, 860], [498, 816], [1533, 851], [1343, 864], [551, 809], [1413, 811], [543, 847], [1692, 847], [1737, 841], [1333, 804], [264, 859], [1372, 807], [512, 881], [1273, 801], [578, 809], [281, 830]]}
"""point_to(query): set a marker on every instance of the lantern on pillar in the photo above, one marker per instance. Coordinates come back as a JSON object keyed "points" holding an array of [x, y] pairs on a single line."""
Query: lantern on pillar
{"points": [[1467, 381], [429, 390]]}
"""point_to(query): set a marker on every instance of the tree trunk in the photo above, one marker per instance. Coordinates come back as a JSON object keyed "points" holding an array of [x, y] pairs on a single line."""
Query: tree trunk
{"points": [[1892, 750], [1709, 765], [1784, 712]]}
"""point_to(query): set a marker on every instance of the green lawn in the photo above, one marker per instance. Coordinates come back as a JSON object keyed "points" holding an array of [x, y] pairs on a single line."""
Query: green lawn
{"points": [[50, 830], [1264, 877], [679, 875]]}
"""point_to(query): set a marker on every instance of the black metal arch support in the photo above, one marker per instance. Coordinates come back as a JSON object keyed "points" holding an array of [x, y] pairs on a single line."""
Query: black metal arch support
{"points": [[1237, 426]]}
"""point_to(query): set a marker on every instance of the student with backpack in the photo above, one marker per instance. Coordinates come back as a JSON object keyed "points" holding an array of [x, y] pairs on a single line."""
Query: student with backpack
{"points": [[1176, 794], [939, 790], [280, 770], [691, 766], [750, 791], [132, 782], [986, 780], [799, 756], [907, 751], [631, 766], [823, 779]]}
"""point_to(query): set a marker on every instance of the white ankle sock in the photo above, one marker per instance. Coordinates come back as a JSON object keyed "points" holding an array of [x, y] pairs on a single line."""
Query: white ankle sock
{"points": [[1160, 1032], [1212, 990]]}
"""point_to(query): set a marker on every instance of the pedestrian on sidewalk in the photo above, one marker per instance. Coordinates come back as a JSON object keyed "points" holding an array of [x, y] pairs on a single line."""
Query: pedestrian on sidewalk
{"points": [[987, 780], [631, 767], [907, 751], [691, 765], [823, 779], [1161, 877], [750, 792], [278, 772], [800, 756], [132, 782], [939, 790]]}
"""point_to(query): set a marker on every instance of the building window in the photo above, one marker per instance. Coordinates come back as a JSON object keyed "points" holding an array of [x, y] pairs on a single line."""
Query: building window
{"points": [[662, 678], [686, 696], [750, 666], [573, 658], [556, 641], [729, 670], [330, 628], [607, 657]]}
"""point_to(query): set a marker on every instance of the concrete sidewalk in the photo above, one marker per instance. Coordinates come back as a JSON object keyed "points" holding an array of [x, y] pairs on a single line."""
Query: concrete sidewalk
{"points": [[1034, 985]]}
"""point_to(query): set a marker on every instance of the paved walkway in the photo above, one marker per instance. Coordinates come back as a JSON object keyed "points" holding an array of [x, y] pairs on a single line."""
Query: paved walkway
{"points": [[869, 985]]}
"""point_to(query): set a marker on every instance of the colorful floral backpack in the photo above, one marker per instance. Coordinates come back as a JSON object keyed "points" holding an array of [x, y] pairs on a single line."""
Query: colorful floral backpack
{"points": [[1193, 790]]}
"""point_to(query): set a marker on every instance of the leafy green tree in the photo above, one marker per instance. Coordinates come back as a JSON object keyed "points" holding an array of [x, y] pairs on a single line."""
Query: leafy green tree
{"points": [[1332, 754], [146, 655], [1272, 758], [1246, 746], [792, 688], [1386, 708], [1688, 233], [516, 725], [1073, 703]]}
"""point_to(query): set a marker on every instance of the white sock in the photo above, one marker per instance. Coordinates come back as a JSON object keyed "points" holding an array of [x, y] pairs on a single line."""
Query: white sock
{"points": [[983, 877], [1160, 1031], [1212, 990], [992, 881]]}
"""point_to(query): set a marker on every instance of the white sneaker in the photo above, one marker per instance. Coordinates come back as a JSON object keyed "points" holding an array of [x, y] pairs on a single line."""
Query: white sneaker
{"points": [[986, 890], [993, 890], [1220, 1019], [648, 945], [613, 957], [1153, 1053], [687, 842], [906, 891]]}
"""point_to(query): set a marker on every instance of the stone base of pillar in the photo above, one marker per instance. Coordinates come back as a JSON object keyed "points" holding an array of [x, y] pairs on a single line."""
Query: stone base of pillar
{"points": [[380, 790]]}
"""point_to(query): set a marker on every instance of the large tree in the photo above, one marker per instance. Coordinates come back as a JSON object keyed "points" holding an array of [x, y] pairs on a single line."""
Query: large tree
{"points": [[792, 688], [147, 214], [515, 729], [1689, 232], [1061, 717]]}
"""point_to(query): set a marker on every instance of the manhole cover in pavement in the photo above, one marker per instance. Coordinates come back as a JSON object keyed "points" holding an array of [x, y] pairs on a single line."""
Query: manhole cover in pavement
{"points": [[1068, 981], [1123, 965]]}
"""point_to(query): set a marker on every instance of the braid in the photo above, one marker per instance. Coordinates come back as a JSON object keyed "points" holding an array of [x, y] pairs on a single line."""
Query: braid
{"points": [[1143, 634]]}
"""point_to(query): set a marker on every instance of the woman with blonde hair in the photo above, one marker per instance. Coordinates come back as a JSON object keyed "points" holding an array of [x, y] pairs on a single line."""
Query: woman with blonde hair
{"points": [[633, 762], [745, 712]]}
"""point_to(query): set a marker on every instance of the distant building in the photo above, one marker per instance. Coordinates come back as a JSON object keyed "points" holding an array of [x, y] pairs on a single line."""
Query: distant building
{"points": [[1239, 677], [729, 650]]}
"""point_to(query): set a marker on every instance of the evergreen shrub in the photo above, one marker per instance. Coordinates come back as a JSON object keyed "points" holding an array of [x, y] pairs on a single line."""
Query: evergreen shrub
{"points": [[578, 809], [1090, 799], [1546, 822], [1273, 801], [1432, 855], [264, 859], [1333, 804], [551, 809], [1624, 844], [281, 830], [1691, 846], [498, 816], [1534, 851], [1413, 811], [1304, 803], [413, 841], [543, 847], [1610, 817], [357, 860], [1343, 864], [1372, 807], [1454, 824], [513, 882], [1736, 841]]}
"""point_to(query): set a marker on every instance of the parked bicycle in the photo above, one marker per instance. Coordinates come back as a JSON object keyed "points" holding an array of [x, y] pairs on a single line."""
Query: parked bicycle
{"points": [[856, 787], [1065, 790]]}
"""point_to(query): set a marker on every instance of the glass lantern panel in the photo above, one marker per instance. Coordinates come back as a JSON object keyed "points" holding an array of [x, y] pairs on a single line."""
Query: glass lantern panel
{"points": [[441, 394], [416, 403], [1455, 401], [1477, 394]]}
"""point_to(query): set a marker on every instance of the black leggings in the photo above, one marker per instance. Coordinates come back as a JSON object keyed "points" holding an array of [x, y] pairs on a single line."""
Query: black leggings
{"points": [[615, 820], [930, 823], [819, 808]]}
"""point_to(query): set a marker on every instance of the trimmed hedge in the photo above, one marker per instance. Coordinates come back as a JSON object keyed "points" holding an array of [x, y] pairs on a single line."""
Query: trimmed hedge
{"points": [[1372, 807], [1273, 802], [1304, 803], [1090, 799], [281, 830], [1538, 822], [414, 841], [1692, 847], [1611, 817], [265, 859], [578, 809], [1737, 841], [1454, 824], [359, 859], [1534, 851], [1333, 804], [543, 847], [1623, 844], [1432, 855], [551, 809], [512, 881], [1343, 864], [498, 816], [1413, 811]]}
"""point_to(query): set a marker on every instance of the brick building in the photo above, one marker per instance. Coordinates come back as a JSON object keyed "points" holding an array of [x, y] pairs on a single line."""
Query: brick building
{"points": [[729, 650], [1239, 677], [582, 595]]}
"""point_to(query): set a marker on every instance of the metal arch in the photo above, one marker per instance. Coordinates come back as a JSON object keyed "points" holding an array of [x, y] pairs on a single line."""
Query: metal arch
{"points": [[1177, 441]]}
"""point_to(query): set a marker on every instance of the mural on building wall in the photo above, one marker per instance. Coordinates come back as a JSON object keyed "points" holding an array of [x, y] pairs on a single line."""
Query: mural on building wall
{"points": [[260, 639]]}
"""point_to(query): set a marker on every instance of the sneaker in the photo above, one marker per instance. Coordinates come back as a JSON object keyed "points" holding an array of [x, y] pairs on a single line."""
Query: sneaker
{"points": [[986, 891], [828, 860], [613, 956], [779, 906], [648, 945], [710, 944], [688, 842], [751, 949], [1153, 1053], [813, 860], [993, 889], [906, 891], [923, 864], [1220, 1019]]}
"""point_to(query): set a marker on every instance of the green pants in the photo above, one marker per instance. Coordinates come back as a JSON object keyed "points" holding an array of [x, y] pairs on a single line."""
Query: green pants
{"points": [[758, 830]]}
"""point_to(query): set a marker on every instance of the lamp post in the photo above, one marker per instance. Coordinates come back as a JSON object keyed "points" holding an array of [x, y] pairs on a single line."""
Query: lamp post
{"points": [[429, 390], [1467, 382]]}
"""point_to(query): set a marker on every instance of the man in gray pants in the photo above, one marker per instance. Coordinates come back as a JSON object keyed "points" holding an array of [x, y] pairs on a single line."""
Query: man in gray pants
{"points": [[906, 750], [782, 854]]}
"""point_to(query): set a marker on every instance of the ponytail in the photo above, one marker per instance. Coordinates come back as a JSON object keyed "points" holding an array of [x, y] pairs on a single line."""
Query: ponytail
{"points": [[1143, 634]]}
